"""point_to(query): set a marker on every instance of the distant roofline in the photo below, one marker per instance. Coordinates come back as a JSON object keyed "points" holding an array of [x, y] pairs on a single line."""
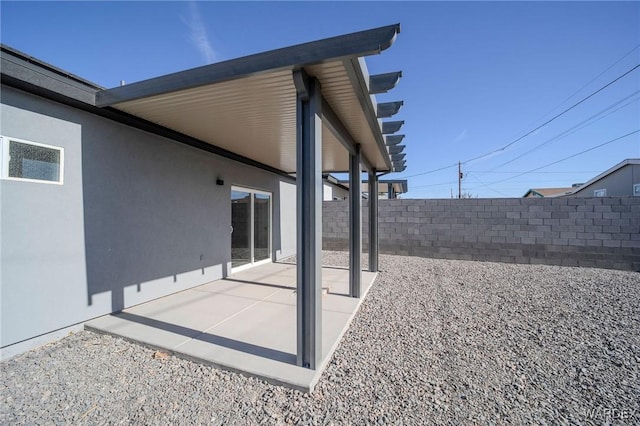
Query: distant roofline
{"points": [[558, 192], [627, 162]]}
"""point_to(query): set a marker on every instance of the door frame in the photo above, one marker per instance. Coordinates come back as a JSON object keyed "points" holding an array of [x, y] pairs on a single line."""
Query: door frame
{"points": [[252, 261]]}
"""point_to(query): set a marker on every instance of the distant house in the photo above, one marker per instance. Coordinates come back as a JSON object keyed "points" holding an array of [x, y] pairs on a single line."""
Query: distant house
{"points": [[333, 190], [621, 180], [388, 189], [546, 192]]}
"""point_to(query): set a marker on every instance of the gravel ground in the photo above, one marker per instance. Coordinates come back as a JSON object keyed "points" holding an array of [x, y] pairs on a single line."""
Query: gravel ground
{"points": [[436, 341]]}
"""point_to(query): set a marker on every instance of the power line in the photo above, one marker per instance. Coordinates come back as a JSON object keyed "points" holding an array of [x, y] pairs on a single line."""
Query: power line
{"points": [[577, 127], [430, 171], [433, 184], [515, 172], [533, 130], [564, 159], [487, 186], [555, 116], [586, 84]]}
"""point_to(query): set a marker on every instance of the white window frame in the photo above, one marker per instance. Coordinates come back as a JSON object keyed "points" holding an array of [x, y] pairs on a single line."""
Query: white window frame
{"points": [[636, 190], [600, 192], [5, 141], [251, 237]]}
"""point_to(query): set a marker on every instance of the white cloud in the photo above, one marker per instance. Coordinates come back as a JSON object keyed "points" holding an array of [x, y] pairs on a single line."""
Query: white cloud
{"points": [[198, 33], [461, 136]]}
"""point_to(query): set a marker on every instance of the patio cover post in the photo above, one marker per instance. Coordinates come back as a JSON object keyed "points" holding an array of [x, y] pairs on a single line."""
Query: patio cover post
{"points": [[355, 223], [373, 221], [309, 220]]}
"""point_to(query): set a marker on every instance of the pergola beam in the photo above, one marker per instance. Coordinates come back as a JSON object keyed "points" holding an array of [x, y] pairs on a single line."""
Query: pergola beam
{"points": [[382, 83], [354, 68], [396, 149], [388, 109], [391, 126], [393, 139]]}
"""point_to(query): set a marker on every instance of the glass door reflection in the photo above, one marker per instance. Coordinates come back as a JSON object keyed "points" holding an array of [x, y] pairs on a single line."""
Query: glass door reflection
{"points": [[241, 228], [261, 225], [250, 227]]}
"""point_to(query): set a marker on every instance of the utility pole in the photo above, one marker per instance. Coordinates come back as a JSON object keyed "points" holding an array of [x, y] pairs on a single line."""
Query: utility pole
{"points": [[459, 180]]}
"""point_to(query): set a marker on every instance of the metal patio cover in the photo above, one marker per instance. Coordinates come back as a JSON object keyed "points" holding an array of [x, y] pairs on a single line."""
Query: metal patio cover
{"points": [[248, 105]]}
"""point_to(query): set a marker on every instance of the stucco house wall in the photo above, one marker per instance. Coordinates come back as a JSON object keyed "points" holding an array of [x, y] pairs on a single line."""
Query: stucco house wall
{"points": [[617, 184], [138, 217]]}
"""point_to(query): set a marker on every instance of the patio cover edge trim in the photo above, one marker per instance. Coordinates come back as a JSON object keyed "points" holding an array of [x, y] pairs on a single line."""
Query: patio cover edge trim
{"points": [[363, 43], [354, 70]]}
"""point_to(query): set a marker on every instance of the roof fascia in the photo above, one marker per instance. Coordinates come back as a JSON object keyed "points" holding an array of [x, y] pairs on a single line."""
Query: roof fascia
{"points": [[35, 63], [32, 73], [363, 43]]}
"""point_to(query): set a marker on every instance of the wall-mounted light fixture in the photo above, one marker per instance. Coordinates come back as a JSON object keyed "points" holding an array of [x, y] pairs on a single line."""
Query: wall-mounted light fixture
{"points": [[219, 182]]}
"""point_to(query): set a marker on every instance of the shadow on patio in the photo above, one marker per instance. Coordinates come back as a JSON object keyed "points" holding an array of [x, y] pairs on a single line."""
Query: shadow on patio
{"points": [[244, 323]]}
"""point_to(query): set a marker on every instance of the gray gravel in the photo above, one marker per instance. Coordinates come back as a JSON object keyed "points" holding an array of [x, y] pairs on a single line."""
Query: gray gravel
{"points": [[436, 341]]}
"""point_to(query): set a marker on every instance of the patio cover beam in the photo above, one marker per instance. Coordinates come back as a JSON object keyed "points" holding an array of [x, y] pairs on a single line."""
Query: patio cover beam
{"points": [[373, 221], [331, 120], [355, 224], [396, 149], [359, 44], [393, 139], [309, 220], [354, 70], [382, 83], [388, 109], [389, 127]]}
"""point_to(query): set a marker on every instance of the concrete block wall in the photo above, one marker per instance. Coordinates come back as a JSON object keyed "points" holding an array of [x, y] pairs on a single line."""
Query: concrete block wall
{"points": [[593, 232]]}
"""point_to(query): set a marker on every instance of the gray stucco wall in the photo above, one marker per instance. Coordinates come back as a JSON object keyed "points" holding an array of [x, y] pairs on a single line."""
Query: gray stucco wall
{"points": [[138, 217], [595, 232], [618, 184]]}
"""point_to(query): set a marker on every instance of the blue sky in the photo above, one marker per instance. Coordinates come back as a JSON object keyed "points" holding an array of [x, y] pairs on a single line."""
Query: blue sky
{"points": [[477, 75]]}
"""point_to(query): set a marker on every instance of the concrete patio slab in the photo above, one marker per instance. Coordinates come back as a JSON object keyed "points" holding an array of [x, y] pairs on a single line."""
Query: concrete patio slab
{"points": [[244, 323]]}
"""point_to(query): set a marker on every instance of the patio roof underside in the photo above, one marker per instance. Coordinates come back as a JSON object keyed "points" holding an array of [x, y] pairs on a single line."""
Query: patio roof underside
{"points": [[250, 109], [398, 187]]}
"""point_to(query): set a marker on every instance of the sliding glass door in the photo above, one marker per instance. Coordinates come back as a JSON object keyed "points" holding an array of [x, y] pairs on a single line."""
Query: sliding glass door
{"points": [[251, 227]]}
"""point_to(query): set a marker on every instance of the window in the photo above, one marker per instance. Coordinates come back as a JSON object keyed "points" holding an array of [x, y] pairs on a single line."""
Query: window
{"points": [[600, 193], [636, 190], [30, 161]]}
